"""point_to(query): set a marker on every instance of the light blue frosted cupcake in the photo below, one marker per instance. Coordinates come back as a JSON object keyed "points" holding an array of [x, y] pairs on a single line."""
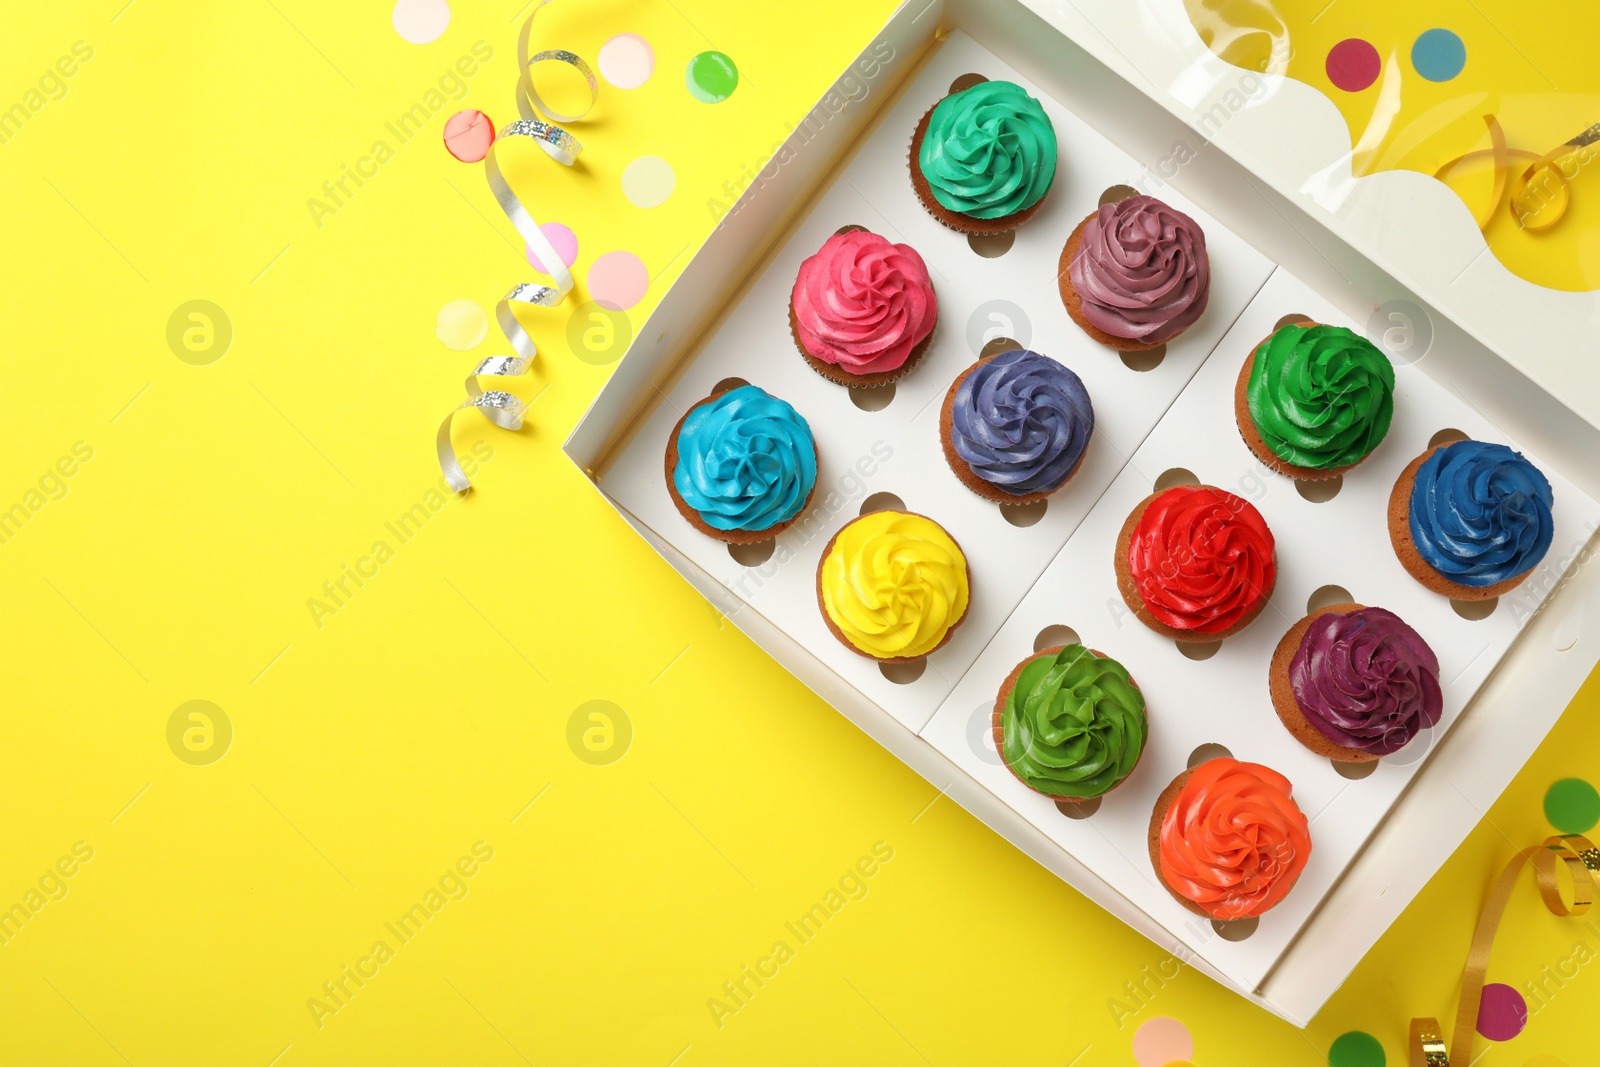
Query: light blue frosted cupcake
{"points": [[741, 465]]}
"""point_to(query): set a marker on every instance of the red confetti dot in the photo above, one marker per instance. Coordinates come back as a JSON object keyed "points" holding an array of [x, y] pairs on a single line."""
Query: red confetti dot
{"points": [[468, 135], [1353, 64]]}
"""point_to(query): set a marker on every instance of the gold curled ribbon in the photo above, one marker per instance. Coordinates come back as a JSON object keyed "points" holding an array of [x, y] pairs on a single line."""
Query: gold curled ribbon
{"points": [[537, 124], [1539, 192], [1582, 861]]}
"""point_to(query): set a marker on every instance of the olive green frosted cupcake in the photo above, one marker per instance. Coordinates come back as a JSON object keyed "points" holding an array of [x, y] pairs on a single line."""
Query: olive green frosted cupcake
{"points": [[1070, 723], [1314, 400]]}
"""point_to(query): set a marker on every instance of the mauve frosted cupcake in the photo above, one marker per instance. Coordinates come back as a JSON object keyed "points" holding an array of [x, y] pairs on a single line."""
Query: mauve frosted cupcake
{"points": [[862, 310], [1135, 274]]}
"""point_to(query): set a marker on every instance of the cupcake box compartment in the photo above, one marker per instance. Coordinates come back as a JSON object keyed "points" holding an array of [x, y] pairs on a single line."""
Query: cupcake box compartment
{"points": [[1377, 840]]}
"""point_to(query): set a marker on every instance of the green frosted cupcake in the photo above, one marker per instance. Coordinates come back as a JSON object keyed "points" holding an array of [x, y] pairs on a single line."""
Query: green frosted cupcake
{"points": [[1313, 400], [1070, 723], [982, 159]]}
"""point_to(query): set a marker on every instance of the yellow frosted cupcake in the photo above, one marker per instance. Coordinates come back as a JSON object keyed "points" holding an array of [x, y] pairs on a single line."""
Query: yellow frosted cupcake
{"points": [[893, 586]]}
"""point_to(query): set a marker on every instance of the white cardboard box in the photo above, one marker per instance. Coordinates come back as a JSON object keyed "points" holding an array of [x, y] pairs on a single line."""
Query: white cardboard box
{"points": [[846, 164]]}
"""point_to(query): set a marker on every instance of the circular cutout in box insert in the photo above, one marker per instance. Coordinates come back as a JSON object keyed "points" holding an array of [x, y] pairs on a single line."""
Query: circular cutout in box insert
{"points": [[1054, 635], [1291, 318], [1319, 490], [875, 398], [1235, 929], [904, 673], [882, 502], [1447, 436], [1024, 514], [1198, 650], [1354, 771], [1475, 610], [1079, 809], [1117, 193], [992, 245], [1174, 476], [995, 345], [851, 228], [1209, 751], [966, 81], [727, 383], [1147, 360], [753, 554], [1327, 596]]}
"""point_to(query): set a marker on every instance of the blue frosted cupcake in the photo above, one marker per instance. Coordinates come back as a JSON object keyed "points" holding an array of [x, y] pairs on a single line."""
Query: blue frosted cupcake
{"points": [[1471, 520], [741, 465], [1016, 426]]}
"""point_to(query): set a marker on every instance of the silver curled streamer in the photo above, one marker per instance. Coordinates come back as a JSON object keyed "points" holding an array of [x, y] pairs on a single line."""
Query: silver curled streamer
{"points": [[537, 124]]}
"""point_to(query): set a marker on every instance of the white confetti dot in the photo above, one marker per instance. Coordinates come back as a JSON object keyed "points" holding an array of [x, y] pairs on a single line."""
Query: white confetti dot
{"points": [[648, 181], [421, 21]]}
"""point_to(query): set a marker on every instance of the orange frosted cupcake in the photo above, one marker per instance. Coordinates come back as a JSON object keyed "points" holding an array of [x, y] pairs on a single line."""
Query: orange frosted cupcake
{"points": [[1227, 839]]}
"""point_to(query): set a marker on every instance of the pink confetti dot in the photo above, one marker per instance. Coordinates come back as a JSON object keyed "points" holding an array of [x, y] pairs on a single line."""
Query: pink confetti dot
{"points": [[565, 242], [468, 135], [618, 280], [1161, 1041], [627, 61], [1502, 1013], [1353, 64]]}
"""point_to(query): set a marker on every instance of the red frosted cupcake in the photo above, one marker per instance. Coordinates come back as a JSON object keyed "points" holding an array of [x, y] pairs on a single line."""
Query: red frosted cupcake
{"points": [[862, 309], [1195, 563]]}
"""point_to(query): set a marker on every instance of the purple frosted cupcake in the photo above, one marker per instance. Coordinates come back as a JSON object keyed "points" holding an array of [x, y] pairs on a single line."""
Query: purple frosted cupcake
{"points": [[1135, 274], [1354, 683], [1015, 426]]}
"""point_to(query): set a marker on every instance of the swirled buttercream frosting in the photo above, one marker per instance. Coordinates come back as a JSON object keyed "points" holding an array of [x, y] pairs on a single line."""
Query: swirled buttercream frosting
{"points": [[1366, 680], [1141, 270], [1320, 396], [1480, 513], [989, 151], [1233, 840], [1201, 558], [746, 460], [863, 303], [894, 584], [1021, 422], [1073, 724]]}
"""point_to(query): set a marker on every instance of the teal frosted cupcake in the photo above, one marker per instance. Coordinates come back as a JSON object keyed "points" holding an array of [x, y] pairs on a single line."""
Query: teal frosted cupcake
{"points": [[741, 465], [1070, 723], [983, 159]]}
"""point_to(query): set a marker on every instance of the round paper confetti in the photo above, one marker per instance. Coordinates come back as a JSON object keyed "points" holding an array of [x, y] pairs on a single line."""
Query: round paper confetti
{"points": [[1502, 1013], [421, 21], [462, 325], [1353, 64], [618, 280], [1160, 1041], [627, 61], [1439, 55], [648, 181], [564, 239], [1356, 1049], [712, 77], [468, 135], [1572, 806]]}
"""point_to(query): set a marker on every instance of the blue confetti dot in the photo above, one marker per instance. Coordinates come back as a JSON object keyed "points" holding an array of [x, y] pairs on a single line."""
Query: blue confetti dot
{"points": [[1439, 55]]}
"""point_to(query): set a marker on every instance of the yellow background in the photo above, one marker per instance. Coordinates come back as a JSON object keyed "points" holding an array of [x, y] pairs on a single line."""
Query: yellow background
{"points": [[371, 753]]}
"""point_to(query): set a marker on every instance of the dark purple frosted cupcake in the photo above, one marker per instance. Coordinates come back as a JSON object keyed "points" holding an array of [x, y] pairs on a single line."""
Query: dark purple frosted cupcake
{"points": [[1354, 683], [1015, 426]]}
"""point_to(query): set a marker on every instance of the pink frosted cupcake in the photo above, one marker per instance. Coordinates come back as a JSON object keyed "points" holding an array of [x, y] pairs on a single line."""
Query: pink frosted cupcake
{"points": [[862, 310]]}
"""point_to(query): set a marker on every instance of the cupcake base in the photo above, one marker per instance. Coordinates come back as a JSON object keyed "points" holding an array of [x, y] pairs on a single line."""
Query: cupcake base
{"points": [[822, 606], [963, 471], [1288, 708], [1252, 437], [1157, 816], [839, 376], [1406, 549], [955, 220], [1130, 592], [692, 517], [999, 734], [1074, 302]]}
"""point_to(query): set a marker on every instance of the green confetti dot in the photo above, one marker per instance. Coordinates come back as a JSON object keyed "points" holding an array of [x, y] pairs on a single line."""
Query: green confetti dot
{"points": [[1572, 806], [711, 77], [1356, 1049]]}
